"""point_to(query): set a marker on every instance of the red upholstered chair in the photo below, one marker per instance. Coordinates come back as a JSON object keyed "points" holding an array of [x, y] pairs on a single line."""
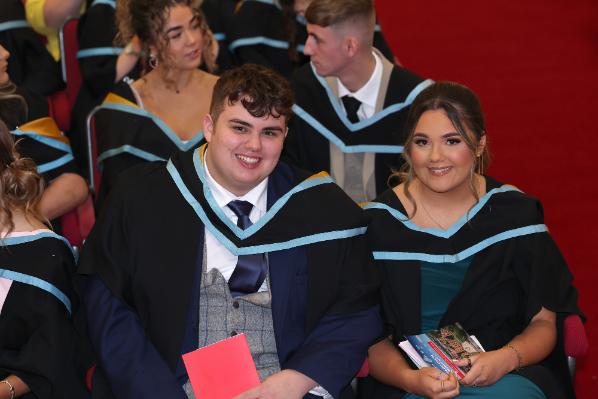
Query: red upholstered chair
{"points": [[59, 108], [77, 223], [61, 103], [69, 46], [575, 340]]}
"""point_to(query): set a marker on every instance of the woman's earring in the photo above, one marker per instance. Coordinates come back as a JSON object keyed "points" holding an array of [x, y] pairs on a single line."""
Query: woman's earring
{"points": [[481, 165], [153, 61]]}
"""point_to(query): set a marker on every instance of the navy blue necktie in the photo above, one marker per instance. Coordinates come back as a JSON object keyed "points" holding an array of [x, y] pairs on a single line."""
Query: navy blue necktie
{"points": [[250, 271], [351, 106]]}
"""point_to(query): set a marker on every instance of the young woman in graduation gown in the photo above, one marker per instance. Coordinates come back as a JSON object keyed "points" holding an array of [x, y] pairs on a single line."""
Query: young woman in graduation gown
{"points": [[39, 138], [39, 346], [161, 112], [453, 245]]}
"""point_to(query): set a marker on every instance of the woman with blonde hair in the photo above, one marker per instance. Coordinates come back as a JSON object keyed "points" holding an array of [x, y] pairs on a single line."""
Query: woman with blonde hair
{"points": [[39, 346], [453, 245]]}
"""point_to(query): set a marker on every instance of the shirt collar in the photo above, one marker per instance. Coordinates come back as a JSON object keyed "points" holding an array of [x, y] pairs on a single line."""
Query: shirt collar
{"points": [[257, 196], [368, 94]]}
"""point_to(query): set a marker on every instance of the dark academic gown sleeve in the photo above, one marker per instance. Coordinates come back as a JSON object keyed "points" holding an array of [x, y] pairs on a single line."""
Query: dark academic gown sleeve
{"points": [[332, 315], [125, 353], [38, 341], [335, 349]]}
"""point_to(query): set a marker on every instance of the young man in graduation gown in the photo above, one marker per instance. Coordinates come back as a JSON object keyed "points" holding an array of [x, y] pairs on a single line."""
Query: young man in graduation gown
{"points": [[225, 239], [351, 102]]}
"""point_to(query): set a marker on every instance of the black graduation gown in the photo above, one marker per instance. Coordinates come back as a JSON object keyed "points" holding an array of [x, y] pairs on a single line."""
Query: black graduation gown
{"points": [[128, 135], [218, 14], [147, 248], [516, 269], [257, 35], [47, 146], [39, 138], [30, 66], [97, 61], [319, 119], [38, 340]]}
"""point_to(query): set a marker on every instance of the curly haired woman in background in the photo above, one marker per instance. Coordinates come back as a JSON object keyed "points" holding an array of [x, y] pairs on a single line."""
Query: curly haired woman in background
{"points": [[161, 112]]}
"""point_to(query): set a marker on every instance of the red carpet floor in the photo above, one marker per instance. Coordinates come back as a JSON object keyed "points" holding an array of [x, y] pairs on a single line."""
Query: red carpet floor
{"points": [[534, 65]]}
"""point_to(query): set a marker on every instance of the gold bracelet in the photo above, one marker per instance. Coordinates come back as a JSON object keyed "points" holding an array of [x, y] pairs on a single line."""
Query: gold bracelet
{"points": [[518, 354], [11, 389]]}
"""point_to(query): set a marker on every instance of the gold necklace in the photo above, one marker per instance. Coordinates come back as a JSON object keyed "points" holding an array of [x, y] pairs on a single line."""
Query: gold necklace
{"points": [[430, 216], [421, 200]]}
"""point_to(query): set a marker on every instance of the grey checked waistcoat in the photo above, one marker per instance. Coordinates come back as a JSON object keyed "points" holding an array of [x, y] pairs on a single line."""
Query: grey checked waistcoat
{"points": [[221, 316]]}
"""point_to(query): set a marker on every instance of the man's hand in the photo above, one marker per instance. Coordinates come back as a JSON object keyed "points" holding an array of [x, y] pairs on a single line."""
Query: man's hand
{"points": [[286, 384]]}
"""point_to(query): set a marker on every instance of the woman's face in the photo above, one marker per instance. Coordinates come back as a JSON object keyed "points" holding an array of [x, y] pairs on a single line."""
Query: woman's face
{"points": [[4, 54], [441, 159], [183, 39]]}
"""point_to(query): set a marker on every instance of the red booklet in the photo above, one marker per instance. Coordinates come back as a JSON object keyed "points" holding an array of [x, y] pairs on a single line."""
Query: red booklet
{"points": [[222, 370]]}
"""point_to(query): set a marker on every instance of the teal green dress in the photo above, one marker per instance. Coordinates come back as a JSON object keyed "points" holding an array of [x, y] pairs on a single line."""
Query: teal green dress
{"points": [[440, 282]]}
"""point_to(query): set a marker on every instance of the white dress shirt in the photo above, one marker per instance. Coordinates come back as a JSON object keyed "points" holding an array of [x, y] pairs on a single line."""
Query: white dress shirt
{"points": [[367, 94], [217, 256]]}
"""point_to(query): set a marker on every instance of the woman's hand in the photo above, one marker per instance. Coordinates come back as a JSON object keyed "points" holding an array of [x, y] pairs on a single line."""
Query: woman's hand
{"points": [[432, 383], [487, 367], [530, 347]]}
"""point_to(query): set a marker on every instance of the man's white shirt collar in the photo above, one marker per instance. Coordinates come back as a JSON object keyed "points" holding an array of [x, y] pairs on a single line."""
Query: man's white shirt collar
{"points": [[368, 93]]}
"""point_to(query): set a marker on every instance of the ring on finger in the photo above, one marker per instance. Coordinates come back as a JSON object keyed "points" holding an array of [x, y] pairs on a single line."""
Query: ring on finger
{"points": [[442, 385]]}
